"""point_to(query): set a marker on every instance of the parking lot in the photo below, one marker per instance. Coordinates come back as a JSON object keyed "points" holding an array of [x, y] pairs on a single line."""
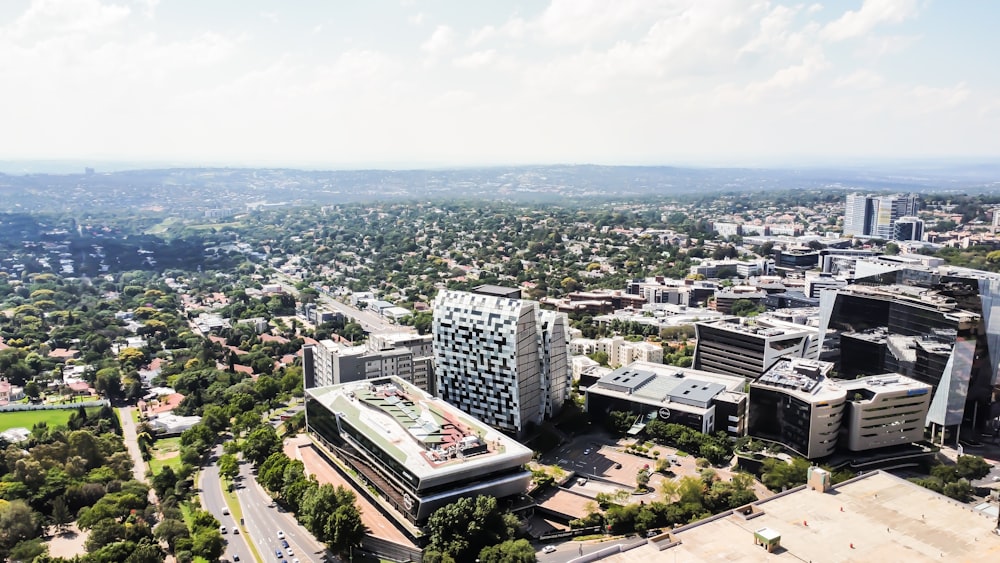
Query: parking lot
{"points": [[605, 459]]}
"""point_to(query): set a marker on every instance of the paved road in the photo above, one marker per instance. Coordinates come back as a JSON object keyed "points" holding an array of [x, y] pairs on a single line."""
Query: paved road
{"points": [[570, 550], [368, 320], [129, 434], [263, 520], [213, 501]]}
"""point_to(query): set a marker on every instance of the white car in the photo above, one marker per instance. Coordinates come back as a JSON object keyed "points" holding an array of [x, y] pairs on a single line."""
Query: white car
{"points": [[548, 549], [281, 535], [289, 552]]}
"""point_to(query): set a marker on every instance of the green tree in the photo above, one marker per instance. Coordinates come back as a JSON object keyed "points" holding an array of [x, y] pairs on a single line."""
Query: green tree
{"points": [[344, 529], [463, 528], [972, 467], [746, 308], [18, 522], [229, 467], [642, 479], [510, 551], [260, 444], [207, 543]]}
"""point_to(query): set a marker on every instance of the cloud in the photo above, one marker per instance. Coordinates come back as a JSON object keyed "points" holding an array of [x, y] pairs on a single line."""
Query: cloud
{"points": [[862, 79], [477, 59], [150, 7], [440, 40], [871, 14], [879, 46], [60, 17]]}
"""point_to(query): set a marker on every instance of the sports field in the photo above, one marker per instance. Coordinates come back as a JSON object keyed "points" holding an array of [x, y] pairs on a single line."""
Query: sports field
{"points": [[27, 419]]}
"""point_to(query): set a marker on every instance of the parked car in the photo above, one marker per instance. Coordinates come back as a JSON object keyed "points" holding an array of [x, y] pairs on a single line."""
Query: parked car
{"points": [[548, 549]]}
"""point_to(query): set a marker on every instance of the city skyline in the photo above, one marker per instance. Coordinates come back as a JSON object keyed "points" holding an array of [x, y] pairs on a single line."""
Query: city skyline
{"points": [[431, 84]]}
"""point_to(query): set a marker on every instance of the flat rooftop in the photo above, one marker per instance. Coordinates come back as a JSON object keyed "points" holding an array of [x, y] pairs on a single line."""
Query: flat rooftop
{"points": [[659, 384], [424, 434], [875, 517], [498, 291], [768, 329]]}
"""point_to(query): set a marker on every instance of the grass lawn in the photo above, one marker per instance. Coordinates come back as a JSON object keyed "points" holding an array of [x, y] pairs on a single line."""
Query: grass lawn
{"points": [[166, 453], [27, 419]]}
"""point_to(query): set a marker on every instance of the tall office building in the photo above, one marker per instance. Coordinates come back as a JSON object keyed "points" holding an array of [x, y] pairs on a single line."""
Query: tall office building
{"points": [[938, 325], [408, 356], [749, 347], [908, 228], [797, 404], [858, 215], [876, 216], [500, 358]]}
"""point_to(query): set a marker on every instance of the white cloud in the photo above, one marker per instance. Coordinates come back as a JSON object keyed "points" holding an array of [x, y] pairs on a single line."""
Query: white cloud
{"points": [[150, 7], [862, 79], [879, 46], [45, 18], [476, 59], [441, 40], [871, 14]]}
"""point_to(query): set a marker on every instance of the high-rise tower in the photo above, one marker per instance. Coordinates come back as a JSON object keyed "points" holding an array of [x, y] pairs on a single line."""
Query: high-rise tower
{"points": [[499, 358]]}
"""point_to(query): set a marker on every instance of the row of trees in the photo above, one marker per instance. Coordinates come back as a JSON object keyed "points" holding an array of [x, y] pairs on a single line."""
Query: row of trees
{"points": [[328, 512], [684, 500]]}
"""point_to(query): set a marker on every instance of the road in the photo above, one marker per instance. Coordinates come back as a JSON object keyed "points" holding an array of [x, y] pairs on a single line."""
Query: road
{"points": [[263, 520], [130, 436], [213, 501], [570, 550], [369, 321]]}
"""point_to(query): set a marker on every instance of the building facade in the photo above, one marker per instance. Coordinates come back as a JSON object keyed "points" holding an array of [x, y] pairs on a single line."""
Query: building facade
{"points": [[939, 325], [405, 355], [748, 347], [500, 358], [797, 405], [417, 452], [876, 216], [706, 402]]}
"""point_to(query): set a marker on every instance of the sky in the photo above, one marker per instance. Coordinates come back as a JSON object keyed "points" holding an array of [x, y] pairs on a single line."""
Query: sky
{"points": [[411, 83]]}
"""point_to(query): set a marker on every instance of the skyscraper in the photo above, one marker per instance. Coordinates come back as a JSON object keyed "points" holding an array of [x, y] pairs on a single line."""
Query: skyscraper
{"points": [[858, 215], [499, 358], [876, 216], [935, 325]]}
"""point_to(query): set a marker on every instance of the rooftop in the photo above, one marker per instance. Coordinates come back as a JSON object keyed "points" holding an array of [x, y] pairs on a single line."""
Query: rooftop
{"points": [[424, 434], [498, 291], [875, 517], [659, 384]]}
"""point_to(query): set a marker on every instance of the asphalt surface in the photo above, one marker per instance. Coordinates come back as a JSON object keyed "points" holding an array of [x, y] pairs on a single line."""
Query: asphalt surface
{"points": [[368, 320], [263, 519], [213, 501]]}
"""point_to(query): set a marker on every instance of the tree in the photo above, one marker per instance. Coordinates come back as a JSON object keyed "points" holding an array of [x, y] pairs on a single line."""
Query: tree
{"points": [[344, 529], [229, 467], [463, 528], [60, 513], [510, 551], [260, 444], [32, 389], [642, 479], [18, 522], [207, 543], [972, 467], [170, 530], [745, 308]]}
